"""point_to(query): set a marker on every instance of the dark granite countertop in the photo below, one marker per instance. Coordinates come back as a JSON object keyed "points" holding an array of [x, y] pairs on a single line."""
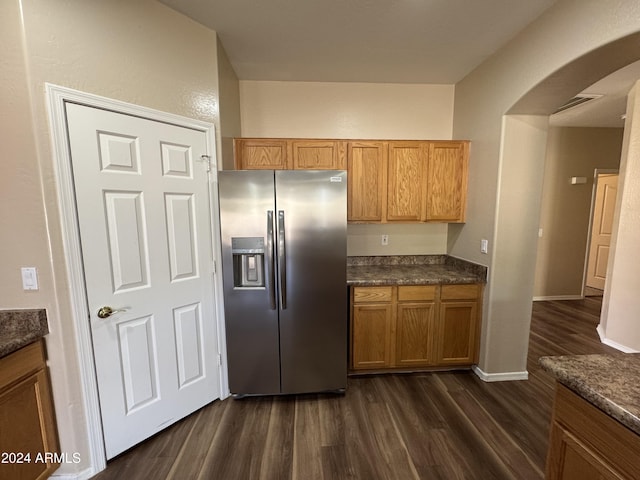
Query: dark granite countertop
{"points": [[19, 328], [609, 382], [413, 270]]}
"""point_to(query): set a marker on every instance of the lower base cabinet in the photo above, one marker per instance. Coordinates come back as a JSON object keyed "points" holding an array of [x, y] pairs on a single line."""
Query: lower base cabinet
{"points": [[457, 333], [372, 323], [414, 326], [28, 435], [587, 444]]}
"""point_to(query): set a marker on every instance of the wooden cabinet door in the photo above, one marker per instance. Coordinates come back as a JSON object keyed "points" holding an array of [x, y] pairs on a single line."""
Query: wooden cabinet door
{"points": [[446, 181], [576, 461], [388, 181], [371, 336], [372, 327], [456, 332], [261, 154], [318, 155], [367, 181], [414, 334], [586, 443], [27, 419], [406, 189]]}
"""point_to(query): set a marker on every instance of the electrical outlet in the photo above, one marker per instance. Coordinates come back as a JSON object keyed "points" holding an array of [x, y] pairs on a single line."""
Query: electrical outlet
{"points": [[384, 240]]}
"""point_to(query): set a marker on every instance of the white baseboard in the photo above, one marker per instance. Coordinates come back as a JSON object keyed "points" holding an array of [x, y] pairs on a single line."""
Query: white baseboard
{"points": [[611, 343], [557, 297], [600, 330], [84, 475], [499, 377]]}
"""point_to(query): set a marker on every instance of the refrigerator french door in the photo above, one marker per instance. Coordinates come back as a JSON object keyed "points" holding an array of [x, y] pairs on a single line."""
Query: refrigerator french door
{"points": [[284, 271]]}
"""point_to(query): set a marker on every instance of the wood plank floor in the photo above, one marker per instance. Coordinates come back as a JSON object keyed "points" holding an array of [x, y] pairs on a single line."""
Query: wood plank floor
{"points": [[403, 426]]}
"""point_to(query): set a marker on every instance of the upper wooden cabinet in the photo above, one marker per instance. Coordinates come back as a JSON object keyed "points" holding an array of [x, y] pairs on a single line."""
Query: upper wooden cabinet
{"points": [[318, 155], [388, 181], [261, 154], [406, 188], [446, 181], [280, 154], [367, 181]]}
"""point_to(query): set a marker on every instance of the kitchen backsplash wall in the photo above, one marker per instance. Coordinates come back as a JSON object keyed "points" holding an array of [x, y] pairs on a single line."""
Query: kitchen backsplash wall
{"points": [[404, 239]]}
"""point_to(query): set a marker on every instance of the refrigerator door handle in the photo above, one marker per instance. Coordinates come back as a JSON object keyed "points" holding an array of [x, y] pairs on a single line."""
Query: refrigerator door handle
{"points": [[271, 273], [282, 261]]}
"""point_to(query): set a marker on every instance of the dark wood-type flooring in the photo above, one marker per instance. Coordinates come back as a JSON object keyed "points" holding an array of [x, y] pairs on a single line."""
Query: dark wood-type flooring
{"points": [[402, 426]]}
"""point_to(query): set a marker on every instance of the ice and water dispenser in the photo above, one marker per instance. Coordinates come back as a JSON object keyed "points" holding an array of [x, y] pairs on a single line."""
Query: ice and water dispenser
{"points": [[248, 261]]}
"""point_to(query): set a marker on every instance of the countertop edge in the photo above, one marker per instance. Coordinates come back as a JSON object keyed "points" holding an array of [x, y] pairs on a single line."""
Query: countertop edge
{"points": [[391, 282], [413, 270], [20, 328], [588, 393]]}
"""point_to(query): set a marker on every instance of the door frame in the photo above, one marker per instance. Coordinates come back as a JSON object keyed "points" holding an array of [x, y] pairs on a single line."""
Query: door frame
{"points": [[596, 173], [57, 96]]}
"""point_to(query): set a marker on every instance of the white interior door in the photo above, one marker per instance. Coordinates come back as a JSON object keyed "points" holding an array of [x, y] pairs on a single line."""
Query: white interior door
{"points": [[601, 229], [143, 204]]}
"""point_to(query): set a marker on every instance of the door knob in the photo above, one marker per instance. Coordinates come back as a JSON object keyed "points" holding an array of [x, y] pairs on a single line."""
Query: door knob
{"points": [[106, 312]]}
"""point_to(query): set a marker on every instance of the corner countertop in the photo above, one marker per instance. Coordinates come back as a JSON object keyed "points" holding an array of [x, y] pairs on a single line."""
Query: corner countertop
{"points": [[608, 381], [413, 270], [19, 328]]}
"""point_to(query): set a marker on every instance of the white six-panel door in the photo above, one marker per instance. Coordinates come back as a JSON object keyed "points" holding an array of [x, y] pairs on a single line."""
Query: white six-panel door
{"points": [[601, 229], [143, 202]]}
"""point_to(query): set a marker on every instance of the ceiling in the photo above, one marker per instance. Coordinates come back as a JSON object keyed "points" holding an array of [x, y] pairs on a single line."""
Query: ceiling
{"points": [[383, 41], [606, 110]]}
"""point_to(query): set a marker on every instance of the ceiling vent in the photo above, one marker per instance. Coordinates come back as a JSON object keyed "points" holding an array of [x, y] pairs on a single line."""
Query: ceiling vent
{"points": [[577, 100]]}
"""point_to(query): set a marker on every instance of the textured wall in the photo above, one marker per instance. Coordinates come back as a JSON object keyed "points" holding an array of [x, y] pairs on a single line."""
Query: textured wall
{"points": [[139, 52], [619, 323], [356, 111], [346, 110], [568, 38], [565, 212]]}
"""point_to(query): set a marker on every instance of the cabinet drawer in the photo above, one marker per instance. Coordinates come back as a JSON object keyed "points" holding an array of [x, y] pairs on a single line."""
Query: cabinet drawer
{"points": [[417, 292], [460, 292], [372, 294], [21, 363]]}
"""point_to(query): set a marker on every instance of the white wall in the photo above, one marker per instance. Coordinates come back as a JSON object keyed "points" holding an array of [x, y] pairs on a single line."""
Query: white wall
{"points": [[229, 98], [619, 325], [140, 52], [346, 110], [566, 208], [356, 111], [404, 239], [566, 39], [513, 259]]}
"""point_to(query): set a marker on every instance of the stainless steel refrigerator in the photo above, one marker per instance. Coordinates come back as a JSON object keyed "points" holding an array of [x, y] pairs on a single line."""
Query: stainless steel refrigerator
{"points": [[284, 251]]}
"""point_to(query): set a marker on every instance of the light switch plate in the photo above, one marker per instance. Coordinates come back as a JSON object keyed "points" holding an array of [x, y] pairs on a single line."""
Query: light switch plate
{"points": [[29, 278], [484, 246]]}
